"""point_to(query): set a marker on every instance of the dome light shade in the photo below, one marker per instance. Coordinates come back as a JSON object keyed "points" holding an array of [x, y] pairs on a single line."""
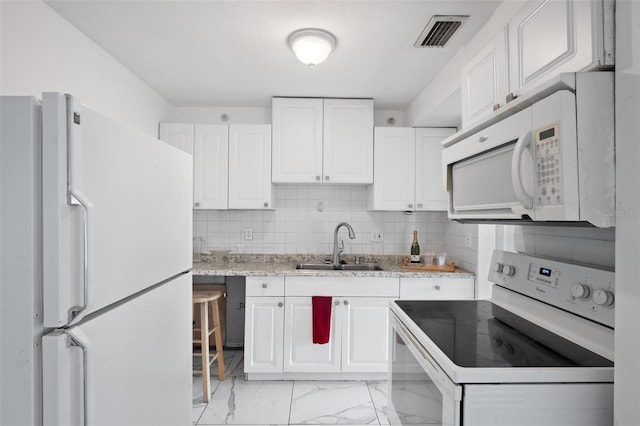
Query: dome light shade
{"points": [[311, 46]]}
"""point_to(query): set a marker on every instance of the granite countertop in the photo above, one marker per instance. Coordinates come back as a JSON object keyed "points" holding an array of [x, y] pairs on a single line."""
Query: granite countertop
{"points": [[281, 265]]}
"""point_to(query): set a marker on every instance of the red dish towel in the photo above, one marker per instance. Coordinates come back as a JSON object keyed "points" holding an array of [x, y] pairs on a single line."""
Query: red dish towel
{"points": [[321, 315]]}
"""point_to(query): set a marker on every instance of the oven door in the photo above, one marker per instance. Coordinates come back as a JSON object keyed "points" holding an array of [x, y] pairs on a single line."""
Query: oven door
{"points": [[420, 393]]}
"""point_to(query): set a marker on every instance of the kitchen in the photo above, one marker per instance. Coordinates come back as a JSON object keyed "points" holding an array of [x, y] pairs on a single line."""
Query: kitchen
{"points": [[73, 64]]}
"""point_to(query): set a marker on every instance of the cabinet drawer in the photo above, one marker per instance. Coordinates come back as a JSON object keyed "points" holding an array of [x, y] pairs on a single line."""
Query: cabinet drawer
{"points": [[265, 286], [341, 286], [437, 288]]}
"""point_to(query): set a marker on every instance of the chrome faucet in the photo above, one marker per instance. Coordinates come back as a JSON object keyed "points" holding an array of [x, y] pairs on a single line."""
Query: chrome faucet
{"points": [[338, 248]]}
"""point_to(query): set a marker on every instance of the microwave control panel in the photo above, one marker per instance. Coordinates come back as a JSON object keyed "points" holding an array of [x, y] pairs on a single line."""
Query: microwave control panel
{"points": [[548, 166]]}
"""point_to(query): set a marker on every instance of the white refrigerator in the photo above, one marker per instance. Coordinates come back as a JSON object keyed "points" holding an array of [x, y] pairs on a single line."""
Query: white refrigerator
{"points": [[95, 290]]}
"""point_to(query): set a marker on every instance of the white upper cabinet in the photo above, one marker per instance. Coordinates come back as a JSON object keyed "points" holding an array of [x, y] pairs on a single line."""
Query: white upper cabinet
{"points": [[394, 166], [485, 82], [430, 190], [348, 141], [548, 37], [210, 166], [250, 166], [322, 140], [209, 145], [541, 40], [408, 170], [297, 140], [231, 163]]}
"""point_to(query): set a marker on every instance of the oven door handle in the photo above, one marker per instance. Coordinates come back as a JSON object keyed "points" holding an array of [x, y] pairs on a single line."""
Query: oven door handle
{"points": [[444, 384]]}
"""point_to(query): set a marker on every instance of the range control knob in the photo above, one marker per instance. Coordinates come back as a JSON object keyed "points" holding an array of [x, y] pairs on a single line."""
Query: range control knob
{"points": [[581, 291], [497, 267], [508, 270], [603, 297]]}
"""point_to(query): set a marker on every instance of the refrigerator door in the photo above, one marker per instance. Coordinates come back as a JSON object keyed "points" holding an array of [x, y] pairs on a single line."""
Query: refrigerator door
{"points": [[130, 365], [117, 208]]}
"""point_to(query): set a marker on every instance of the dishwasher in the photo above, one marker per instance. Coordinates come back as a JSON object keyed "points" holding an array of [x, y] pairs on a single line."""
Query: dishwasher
{"points": [[231, 306]]}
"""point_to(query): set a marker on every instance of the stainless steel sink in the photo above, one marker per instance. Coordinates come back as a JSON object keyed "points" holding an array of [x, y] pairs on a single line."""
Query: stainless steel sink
{"points": [[339, 267]]}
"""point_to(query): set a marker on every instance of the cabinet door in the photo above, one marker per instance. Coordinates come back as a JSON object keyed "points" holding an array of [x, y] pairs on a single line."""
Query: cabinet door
{"points": [[437, 288], [211, 165], [249, 166], [485, 81], [297, 140], [430, 189], [348, 141], [548, 37], [179, 135], [301, 354], [263, 335], [394, 169], [365, 334]]}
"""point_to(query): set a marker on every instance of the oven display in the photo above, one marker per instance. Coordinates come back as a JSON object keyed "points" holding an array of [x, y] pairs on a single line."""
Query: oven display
{"points": [[543, 275], [545, 271]]}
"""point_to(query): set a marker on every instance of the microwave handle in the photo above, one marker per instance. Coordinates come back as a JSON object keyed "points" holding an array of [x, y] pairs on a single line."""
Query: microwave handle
{"points": [[516, 171]]}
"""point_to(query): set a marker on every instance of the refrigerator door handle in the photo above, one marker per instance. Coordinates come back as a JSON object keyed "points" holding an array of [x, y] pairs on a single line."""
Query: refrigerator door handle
{"points": [[74, 341], [78, 198], [60, 394]]}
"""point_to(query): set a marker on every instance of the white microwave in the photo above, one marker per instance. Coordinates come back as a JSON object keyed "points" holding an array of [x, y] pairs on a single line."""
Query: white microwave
{"points": [[551, 161]]}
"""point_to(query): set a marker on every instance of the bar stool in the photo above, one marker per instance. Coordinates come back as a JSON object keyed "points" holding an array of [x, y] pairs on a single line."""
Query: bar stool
{"points": [[209, 315]]}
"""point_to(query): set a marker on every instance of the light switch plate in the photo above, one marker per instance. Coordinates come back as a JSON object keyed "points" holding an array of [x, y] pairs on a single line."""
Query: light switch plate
{"points": [[467, 237], [248, 234]]}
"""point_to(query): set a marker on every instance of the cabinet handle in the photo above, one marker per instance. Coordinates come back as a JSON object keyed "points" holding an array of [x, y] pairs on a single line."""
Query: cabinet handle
{"points": [[318, 178], [437, 287], [483, 138], [496, 107], [346, 302], [264, 285], [197, 204], [266, 204], [280, 304], [410, 206], [326, 178], [511, 96], [419, 205], [337, 302]]}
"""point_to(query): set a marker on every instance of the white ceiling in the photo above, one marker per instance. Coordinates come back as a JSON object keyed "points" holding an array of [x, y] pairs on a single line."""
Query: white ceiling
{"points": [[234, 52]]}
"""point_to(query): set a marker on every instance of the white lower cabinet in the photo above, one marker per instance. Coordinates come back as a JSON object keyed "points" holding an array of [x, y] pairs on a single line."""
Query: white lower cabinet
{"points": [[358, 342], [264, 325], [301, 354], [365, 336]]}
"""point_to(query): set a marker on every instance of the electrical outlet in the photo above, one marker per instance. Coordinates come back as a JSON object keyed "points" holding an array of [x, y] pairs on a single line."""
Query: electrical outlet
{"points": [[248, 234], [467, 238], [376, 237]]}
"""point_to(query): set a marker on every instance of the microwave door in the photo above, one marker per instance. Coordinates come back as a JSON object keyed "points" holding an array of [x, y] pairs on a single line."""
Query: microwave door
{"points": [[496, 184]]}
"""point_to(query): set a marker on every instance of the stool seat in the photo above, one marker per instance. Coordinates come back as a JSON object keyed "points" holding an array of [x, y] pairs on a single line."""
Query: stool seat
{"points": [[207, 302]]}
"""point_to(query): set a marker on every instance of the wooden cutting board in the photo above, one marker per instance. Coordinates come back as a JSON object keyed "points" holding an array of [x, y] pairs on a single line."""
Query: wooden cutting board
{"points": [[421, 267]]}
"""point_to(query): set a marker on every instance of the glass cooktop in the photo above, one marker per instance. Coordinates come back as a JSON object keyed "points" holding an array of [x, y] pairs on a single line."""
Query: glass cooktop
{"points": [[483, 335]]}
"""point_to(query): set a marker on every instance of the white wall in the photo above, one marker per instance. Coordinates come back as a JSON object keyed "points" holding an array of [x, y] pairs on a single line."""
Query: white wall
{"points": [[297, 226], [41, 52], [586, 245], [627, 355]]}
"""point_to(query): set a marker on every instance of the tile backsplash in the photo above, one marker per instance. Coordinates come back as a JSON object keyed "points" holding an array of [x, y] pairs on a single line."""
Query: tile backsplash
{"points": [[304, 220]]}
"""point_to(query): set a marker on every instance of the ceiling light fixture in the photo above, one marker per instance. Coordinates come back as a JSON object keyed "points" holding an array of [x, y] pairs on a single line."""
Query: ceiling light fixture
{"points": [[311, 45]]}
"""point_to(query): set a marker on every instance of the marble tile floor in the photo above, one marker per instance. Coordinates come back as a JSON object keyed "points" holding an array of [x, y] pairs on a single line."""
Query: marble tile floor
{"points": [[236, 401]]}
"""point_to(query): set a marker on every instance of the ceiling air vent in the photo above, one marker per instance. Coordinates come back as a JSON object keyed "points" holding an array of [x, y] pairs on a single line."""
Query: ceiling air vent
{"points": [[439, 30]]}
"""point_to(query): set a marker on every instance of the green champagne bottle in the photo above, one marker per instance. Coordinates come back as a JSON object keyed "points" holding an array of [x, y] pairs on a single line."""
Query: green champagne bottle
{"points": [[415, 249]]}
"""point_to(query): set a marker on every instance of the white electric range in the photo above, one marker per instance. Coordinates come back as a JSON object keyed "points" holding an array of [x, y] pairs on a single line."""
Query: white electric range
{"points": [[539, 352]]}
